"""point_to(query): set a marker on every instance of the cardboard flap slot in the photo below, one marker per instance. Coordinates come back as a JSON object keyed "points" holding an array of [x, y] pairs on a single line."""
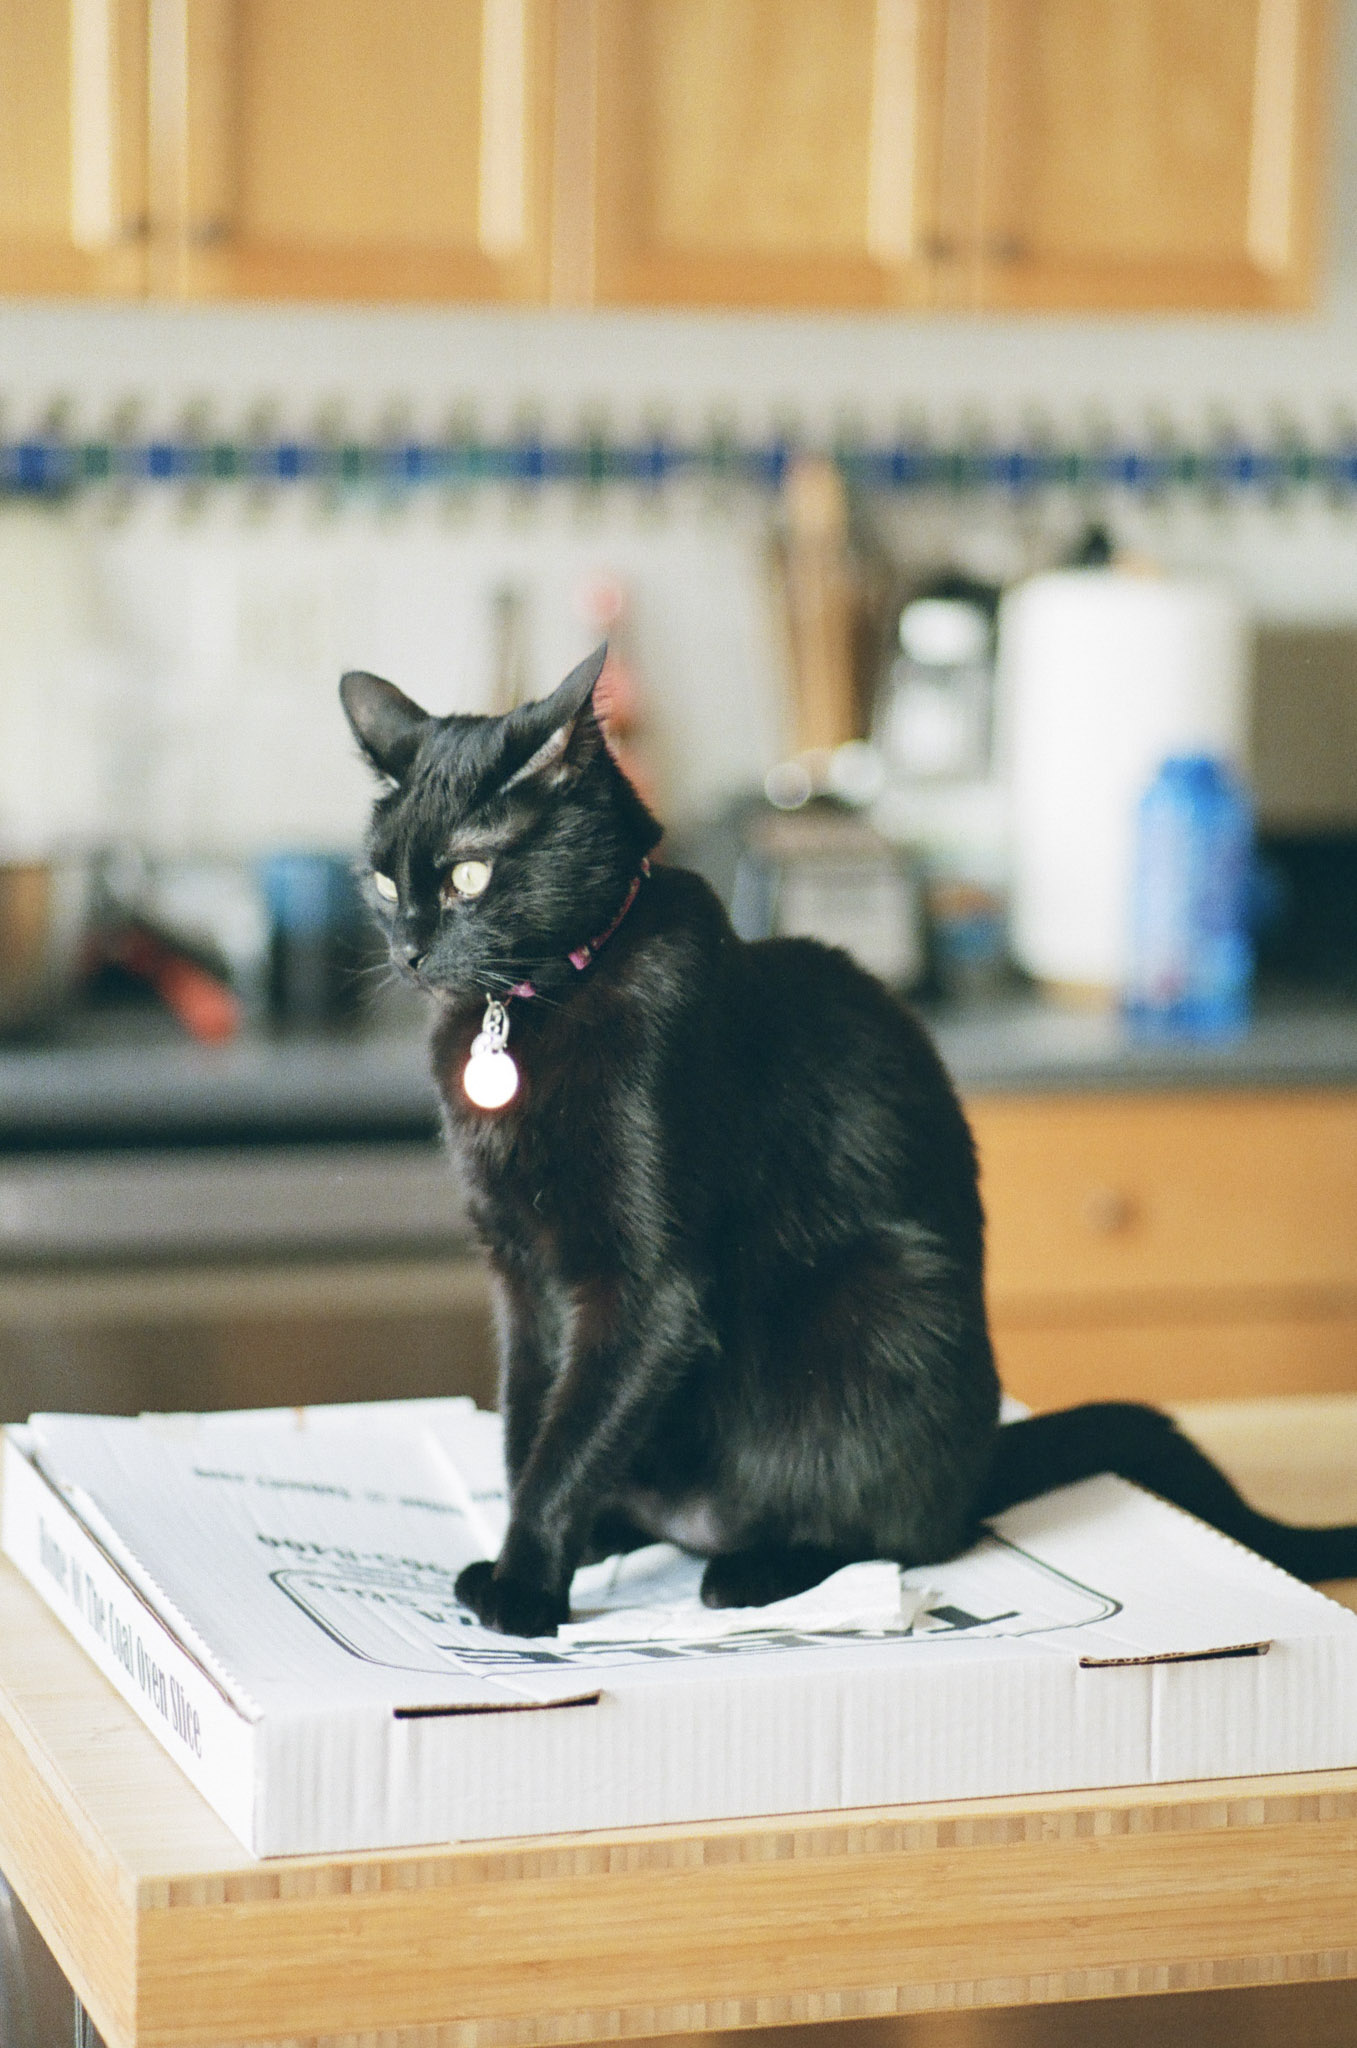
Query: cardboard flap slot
{"points": [[583, 1699], [1178, 1657]]}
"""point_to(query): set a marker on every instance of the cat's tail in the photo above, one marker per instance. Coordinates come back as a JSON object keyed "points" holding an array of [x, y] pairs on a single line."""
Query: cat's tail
{"points": [[1146, 1445]]}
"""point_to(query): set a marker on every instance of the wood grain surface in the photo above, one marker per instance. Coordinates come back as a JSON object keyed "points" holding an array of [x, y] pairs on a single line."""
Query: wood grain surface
{"points": [[1171, 1246]]}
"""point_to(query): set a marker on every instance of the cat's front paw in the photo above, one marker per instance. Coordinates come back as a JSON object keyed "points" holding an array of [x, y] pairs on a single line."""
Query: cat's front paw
{"points": [[516, 1607]]}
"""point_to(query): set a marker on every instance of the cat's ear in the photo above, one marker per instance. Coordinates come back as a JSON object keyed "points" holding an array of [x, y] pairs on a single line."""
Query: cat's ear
{"points": [[386, 724], [569, 698], [563, 724]]}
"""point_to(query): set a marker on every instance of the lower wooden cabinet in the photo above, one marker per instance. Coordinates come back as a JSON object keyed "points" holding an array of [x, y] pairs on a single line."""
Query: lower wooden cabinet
{"points": [[1175, 1246]]}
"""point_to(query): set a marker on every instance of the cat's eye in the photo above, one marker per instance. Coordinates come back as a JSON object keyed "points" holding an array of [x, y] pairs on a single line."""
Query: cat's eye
{"points": [[467, 878], [385, 887]]}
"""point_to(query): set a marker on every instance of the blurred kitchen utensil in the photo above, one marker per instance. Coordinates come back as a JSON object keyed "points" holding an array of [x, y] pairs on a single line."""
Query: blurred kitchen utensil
{"points": [[932, 720], [933, 727], [509, 686], [196, 996], [812, 560], [44, 923], [192, 928], [822, 872]]}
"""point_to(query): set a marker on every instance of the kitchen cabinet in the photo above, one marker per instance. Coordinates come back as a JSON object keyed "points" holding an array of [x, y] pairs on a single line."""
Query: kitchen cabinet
{"points": [[1172, 1246], [1157, 153], [967, 154], [952, 154], [73, 146], [344, 149], [749, 152], [339, 149]]}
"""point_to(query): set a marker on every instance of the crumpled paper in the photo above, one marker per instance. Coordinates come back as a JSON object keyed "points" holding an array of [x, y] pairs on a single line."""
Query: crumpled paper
{"points": [[653, 1595]]}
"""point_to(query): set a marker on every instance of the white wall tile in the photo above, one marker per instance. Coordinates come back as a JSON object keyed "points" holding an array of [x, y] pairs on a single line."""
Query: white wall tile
{"points": [[195, 703]]}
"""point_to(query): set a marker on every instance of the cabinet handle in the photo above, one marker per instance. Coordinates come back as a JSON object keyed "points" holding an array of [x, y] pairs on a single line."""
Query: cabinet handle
{"points": [[100, 218], [1108, 1211], [192, 70]]}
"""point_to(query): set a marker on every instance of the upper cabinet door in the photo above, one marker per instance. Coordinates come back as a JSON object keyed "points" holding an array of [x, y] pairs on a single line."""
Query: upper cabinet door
{"points": [[1135, 153], [976, 154], [746, 152], [382, 149], [72, 145]]}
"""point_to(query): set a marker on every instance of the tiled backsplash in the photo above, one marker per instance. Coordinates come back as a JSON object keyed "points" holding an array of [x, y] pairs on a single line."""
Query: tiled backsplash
{"points": [[168, 657], [173, 677], [171, 670]]}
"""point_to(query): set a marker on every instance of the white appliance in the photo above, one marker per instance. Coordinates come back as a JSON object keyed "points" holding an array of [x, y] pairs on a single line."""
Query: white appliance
{"points": [[1102, 675]]}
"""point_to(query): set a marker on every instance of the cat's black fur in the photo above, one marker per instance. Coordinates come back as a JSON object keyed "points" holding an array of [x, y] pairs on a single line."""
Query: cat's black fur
{"points": [[732, 1211]]}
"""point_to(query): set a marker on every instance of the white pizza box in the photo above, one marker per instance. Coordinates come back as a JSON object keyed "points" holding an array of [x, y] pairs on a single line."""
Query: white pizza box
{"points": [[273, 1593]]}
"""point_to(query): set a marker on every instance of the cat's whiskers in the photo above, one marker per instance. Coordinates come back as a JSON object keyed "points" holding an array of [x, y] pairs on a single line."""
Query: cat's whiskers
{"points": [[372, 979], [500, 977]]}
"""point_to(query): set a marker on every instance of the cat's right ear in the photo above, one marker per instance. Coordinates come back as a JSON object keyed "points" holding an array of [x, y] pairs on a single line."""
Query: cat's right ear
{"points": [[566, 718], [386, 724]]}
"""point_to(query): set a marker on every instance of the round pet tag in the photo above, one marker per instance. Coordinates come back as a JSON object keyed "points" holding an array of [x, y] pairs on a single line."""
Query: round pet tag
{"points": [[490, 1078]]}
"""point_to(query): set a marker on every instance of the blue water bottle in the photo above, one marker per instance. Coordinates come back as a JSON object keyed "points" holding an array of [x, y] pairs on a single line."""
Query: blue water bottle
{"points": [[1191, 952]]}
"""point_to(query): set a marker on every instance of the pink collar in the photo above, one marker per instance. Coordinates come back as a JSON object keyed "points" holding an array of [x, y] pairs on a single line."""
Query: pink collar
{"points": [[582, 955]]}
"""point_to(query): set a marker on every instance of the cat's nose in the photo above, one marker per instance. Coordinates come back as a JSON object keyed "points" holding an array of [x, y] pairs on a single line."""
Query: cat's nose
{"points": [[413, 953]]}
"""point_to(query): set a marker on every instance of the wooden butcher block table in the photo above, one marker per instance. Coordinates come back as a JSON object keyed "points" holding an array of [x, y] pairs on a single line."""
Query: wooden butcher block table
{"points": [[174, 1937]]}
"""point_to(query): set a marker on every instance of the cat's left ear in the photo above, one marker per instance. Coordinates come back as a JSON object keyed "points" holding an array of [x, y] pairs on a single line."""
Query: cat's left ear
{"points": [[387, 725], [563, 724]]}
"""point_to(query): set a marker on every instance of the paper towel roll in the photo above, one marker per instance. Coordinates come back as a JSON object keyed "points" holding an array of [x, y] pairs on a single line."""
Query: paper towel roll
{"points": [[1102, 675]]}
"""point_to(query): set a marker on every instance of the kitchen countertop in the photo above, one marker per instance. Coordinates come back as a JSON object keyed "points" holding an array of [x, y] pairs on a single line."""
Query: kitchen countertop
{"points": [[139, 1086], [1026, 1045], [159, 1090]]}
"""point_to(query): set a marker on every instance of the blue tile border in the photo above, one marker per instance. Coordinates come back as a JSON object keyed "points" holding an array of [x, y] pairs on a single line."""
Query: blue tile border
{"points": [[50, 466]]}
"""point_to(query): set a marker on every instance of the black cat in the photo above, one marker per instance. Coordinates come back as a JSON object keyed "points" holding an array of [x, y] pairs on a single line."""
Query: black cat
{"points": [[730, 1203]]}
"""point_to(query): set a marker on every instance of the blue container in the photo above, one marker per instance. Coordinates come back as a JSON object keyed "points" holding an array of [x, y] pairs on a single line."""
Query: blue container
{"points": [[320, 938], [1191, 947]]}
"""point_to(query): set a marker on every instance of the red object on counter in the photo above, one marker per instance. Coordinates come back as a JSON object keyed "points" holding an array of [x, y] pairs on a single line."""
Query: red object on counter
{"points": [[208, 1010]]}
